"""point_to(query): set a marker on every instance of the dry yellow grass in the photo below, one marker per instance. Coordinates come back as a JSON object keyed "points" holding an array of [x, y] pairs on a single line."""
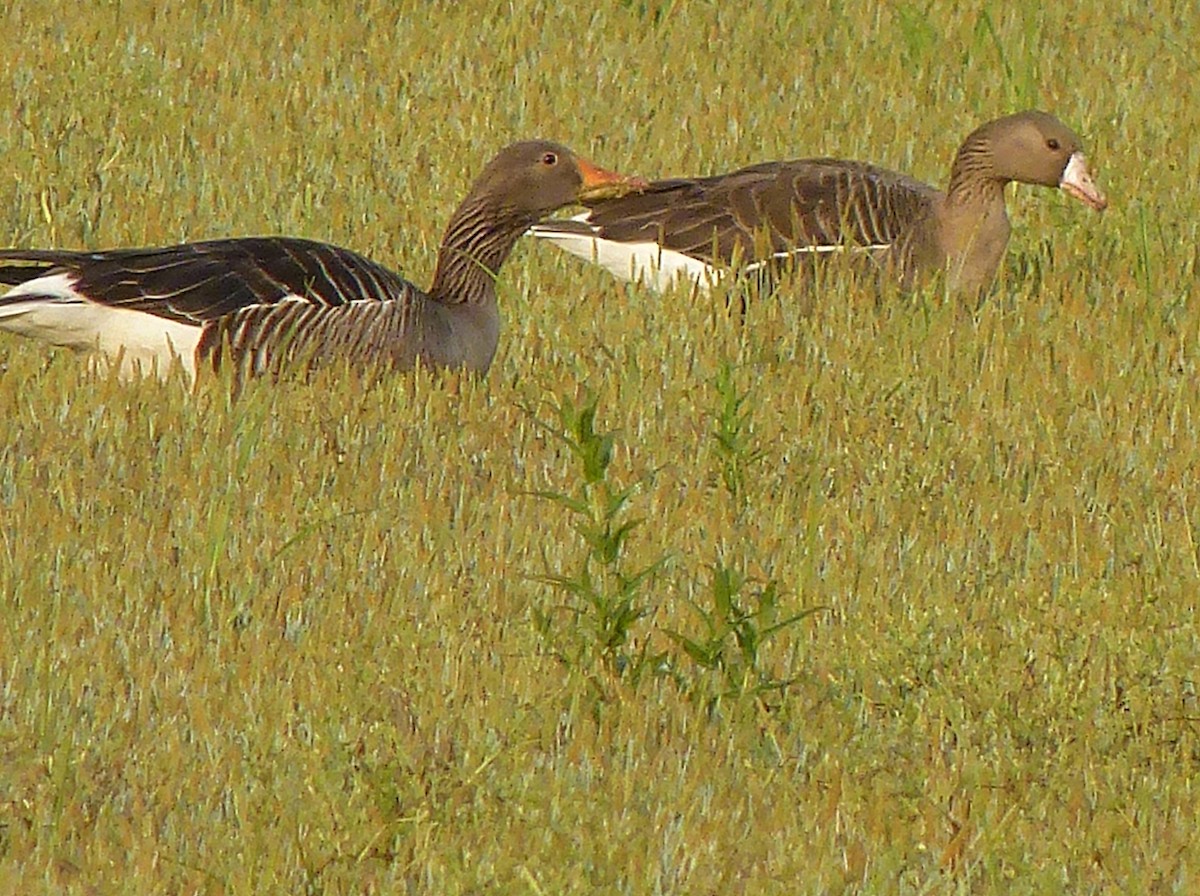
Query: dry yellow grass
{"points": [[287, 643]]}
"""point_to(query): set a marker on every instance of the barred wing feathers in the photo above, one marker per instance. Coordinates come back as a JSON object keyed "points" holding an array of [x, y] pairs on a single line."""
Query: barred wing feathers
{"points": [[265, 299], [698, 228], [792, 206]]}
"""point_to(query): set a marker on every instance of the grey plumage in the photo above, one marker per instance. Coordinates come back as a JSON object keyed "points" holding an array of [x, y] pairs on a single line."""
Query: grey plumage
{"points": [[269, 303]]}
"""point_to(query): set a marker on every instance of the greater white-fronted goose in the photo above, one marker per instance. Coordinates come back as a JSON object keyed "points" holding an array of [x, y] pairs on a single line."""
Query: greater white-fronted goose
{"points": [[698, 228], [268, 302]]}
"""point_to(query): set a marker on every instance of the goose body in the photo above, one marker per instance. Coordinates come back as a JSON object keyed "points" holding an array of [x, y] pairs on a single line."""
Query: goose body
{"points": [[267, 303], [700, 229]]}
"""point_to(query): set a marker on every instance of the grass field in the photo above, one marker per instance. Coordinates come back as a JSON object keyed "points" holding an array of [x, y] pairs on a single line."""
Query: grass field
{"points": [[899, 599]]}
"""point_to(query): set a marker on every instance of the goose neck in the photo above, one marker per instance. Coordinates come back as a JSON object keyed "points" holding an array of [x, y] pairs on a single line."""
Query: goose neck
{"points": [[476, 244], [973, 177]]}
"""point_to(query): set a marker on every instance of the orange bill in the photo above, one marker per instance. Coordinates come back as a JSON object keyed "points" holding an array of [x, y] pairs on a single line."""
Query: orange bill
{"points": [[600, 183]]}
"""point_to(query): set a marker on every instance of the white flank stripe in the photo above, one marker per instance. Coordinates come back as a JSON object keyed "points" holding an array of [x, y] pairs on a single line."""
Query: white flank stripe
{"points": [[57, 314], [643, 262], [877, 250], [658, 268]]}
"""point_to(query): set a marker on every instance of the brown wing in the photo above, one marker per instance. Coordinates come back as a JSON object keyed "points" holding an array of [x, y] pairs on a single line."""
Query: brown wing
{"points": [[774, 208], [205, 281]]}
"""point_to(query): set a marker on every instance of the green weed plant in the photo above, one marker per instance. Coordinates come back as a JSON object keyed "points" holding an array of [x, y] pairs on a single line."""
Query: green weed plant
{"points": [[607, 599]]}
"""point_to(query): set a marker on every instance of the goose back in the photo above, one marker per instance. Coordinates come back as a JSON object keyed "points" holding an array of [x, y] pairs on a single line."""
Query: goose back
{"points": [[260, 301], [204, 281], [769, 209]]}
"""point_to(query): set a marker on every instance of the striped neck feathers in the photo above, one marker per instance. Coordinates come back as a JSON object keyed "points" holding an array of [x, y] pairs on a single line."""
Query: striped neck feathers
{"points": [[973, 177], [477, 242]]}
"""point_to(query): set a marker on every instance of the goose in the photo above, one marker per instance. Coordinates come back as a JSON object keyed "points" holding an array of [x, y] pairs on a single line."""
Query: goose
{"points": [[272, 302], [698, 229]]}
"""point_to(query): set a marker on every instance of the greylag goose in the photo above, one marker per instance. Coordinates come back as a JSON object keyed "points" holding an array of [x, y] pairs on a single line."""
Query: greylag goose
{"points": [[698, 228], [270, 302]]}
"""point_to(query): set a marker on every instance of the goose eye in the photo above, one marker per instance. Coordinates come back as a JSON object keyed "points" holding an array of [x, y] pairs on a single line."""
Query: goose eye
{"points": [[1052, 144], [550, 158]]}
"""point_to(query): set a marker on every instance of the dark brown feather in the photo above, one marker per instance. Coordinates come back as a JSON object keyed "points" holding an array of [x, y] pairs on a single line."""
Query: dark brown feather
{"points": [[204, 281], [767, 209]]}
